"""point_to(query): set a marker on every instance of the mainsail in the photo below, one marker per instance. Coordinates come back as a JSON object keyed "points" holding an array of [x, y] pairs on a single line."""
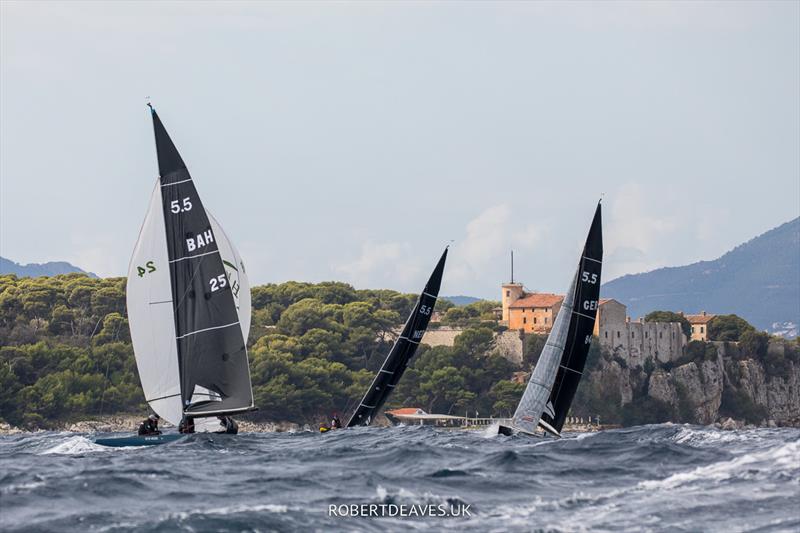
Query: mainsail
{"points": [[555, 378], [402, 351], [188, 301]]}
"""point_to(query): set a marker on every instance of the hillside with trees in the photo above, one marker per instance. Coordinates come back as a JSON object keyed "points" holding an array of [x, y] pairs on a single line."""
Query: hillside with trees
{"points": [[66, 352], [66, 355]]}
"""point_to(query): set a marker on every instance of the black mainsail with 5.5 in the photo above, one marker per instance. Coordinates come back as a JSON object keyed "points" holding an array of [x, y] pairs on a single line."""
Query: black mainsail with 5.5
{"points": [[553, 382], [188, 301], [402, 351]]}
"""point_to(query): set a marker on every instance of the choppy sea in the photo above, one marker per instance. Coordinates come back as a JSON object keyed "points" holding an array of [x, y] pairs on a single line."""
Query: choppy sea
{"points": [[663, 477]]}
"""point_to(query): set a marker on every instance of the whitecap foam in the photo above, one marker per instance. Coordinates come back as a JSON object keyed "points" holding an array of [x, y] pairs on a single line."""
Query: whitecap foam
{"points": [[75, 446], [756, 464], [233, 509]]}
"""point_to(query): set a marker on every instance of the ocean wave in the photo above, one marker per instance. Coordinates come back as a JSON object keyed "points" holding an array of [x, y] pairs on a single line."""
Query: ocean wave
{"points": [[781, 460], [77, 446], [631, 479]]}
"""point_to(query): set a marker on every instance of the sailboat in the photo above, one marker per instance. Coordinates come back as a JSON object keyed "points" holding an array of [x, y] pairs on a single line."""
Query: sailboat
{"points": [[401, 353], [188, 301], [547, 398]]}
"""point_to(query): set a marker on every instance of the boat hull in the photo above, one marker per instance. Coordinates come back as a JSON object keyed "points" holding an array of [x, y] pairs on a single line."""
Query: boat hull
{"points": [[138, 440]]}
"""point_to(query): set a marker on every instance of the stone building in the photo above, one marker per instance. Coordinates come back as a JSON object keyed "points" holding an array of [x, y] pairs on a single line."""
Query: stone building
{"points": [[534, 313], [633, 341], [699, 325], [636, 341]]}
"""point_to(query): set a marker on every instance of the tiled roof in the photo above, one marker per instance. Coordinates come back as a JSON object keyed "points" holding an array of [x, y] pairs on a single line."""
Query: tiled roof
{"points": [[539, 299], [699, 319]]}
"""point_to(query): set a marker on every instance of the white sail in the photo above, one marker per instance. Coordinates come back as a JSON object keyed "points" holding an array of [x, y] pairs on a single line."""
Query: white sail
{"points": [[150, 314], [151, 318], [534, 400], [237, 276]]}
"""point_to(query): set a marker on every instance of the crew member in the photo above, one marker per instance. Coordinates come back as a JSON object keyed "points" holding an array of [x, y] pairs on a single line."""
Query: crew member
{"points": [[230, 425], [150, 426], [186, 425], [336, 423]]}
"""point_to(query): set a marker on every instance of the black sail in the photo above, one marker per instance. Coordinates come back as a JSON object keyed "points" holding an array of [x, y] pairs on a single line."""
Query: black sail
{"points": [[401, 353], [581, 328], [212, 357]]}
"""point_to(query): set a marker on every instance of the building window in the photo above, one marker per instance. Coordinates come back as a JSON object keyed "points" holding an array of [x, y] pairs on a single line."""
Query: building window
{"points": [[524, 320], [701, 329], [692, 329], [545, 320], [660, 334], [645, 334], [606, 334], [618, 334], [508, 294], [534, 320], [632, 334]]}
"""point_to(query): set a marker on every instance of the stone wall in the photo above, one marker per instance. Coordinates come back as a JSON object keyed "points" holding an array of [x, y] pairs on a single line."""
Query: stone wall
{"points": [[634, 342], [508, 344]]}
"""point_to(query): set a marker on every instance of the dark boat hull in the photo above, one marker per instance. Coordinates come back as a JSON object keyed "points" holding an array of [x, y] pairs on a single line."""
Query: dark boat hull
{"points": [[138, 440]]}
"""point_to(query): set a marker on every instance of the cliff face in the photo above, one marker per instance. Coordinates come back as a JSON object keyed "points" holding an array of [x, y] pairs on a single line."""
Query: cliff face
{"points": [[779, 395], [692, 386], [700, 392]]}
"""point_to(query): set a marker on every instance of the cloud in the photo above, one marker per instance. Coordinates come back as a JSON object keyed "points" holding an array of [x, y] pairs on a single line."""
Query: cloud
{"points": [[387, 264], [489, 238], [637, 228]]}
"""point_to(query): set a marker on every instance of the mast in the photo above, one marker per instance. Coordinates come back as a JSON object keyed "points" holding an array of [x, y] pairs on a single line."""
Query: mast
{"points": [[553, 382], [402, 351]]}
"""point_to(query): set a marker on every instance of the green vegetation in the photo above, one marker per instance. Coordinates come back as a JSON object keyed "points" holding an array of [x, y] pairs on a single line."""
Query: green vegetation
{"points": [[65, 349], [314, 348], [669, 316], [727, 328], [479, 313]]}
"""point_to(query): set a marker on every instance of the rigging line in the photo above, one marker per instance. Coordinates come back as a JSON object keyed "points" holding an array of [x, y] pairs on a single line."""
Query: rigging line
{"points": [[175, 183], [207, 329], [193, 256]]}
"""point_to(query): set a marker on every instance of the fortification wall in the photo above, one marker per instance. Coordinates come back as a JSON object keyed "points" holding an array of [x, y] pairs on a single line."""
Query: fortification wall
{"points": [[634, 342], [508, 344]]}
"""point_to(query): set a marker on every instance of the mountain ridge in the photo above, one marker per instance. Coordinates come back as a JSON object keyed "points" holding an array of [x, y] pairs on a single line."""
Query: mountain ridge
{"points": [[758, 280], [35, 270]]}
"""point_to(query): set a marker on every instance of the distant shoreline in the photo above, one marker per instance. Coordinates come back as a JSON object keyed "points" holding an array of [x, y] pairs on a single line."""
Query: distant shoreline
{"points": [[130, 424]]}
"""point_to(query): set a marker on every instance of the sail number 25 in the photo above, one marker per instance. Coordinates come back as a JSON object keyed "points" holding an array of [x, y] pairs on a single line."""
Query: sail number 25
{"points": [[220, 282]]}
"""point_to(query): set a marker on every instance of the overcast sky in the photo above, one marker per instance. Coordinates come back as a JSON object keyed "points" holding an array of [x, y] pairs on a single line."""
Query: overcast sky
{"points": [[353, 141]]}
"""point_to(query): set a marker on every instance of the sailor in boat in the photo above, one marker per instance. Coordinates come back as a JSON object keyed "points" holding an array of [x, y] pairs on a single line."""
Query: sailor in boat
{"points": [[186, 425], [150, 426], [335, 424], [229, 424]]}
